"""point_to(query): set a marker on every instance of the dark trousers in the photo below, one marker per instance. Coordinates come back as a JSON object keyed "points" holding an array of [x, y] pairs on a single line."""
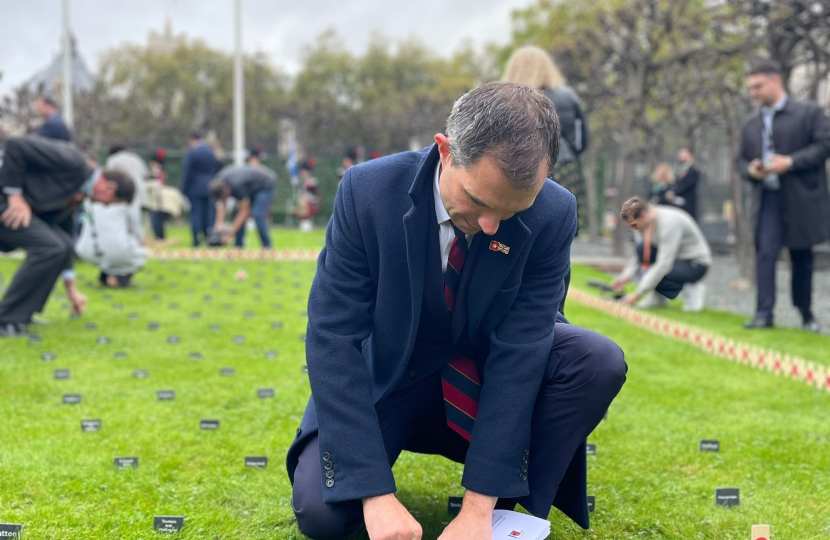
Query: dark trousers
{"points": [[584, 374], [49, 250], [201, 217], [260, 205], [157, 221], [682, 272], [769, 239]]}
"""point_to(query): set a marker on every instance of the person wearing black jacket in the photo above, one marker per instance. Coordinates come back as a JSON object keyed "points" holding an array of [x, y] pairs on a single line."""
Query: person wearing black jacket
{"points": [[53, 126], [783, 151], [41, 183], [686, 181]]}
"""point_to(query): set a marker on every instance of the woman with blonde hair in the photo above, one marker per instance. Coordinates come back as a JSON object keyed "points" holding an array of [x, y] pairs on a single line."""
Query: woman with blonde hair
{"points": [[533, 67], [662, 184]]}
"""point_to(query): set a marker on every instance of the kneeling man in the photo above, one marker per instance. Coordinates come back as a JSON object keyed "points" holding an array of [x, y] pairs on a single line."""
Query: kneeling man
{"points": [[433, 328], [680, 263]]}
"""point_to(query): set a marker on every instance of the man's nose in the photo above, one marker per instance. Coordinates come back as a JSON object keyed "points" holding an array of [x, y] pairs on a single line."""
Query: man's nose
{"points": [[489, 225]]}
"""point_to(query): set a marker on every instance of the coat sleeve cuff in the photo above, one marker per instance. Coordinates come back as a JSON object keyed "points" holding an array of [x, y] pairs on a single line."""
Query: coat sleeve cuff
{"points": [[351, 487], [489, 478]]}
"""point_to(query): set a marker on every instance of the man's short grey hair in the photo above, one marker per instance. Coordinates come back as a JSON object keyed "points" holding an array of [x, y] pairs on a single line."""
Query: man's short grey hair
{"points": [[511, 123]]}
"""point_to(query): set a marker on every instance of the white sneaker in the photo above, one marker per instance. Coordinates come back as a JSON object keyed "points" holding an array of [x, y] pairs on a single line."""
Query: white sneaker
{"points": [[695, 297], [653, 300]]}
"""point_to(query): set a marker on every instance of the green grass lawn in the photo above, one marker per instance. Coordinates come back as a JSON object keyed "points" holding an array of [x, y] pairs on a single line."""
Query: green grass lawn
{"points": [[648, 477], [281, 238]]}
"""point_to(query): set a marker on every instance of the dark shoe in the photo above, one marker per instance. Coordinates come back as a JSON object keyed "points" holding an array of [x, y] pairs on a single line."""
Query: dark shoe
{"points": [[759, 322], [13, 330], [811, 326]]}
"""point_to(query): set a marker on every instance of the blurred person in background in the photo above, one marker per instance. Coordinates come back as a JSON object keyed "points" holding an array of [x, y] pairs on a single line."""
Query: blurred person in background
{"points": [[53, 126], [662, 184], [349, 161], [42, 181], [308, 196], [155, 182], [253, 188], [200, 166], [783, 151], [687, 177], [671, 255], [533, 67]]}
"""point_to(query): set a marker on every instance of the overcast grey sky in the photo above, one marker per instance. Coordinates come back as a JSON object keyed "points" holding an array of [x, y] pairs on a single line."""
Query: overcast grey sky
{"points": [[30, 29]]}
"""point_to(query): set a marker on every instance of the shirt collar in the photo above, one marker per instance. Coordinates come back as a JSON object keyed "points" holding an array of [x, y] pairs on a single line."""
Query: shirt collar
{"points": [[440, 212], [778, 106], [86, 189]]}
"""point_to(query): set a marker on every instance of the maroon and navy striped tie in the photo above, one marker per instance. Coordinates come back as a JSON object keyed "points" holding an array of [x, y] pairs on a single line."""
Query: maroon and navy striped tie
{"points": [[459, 378]]}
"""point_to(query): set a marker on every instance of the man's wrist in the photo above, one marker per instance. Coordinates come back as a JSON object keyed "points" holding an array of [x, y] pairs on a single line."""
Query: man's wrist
{"points": [[789, 162], [479, 505]]}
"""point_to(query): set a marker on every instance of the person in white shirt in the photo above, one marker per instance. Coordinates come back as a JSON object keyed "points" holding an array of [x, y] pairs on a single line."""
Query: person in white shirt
{"points": [[671, 256]]}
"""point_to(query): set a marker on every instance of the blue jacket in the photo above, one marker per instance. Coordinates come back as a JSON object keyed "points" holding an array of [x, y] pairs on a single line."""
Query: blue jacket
{"points": [[55, 128], [364, 309], [200, 166]]}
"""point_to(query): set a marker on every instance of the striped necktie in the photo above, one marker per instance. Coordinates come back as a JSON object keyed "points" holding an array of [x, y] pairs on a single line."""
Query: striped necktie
{"points": [[459, 378]]}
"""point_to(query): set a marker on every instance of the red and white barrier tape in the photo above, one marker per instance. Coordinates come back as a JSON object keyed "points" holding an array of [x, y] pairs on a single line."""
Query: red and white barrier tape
{"points": [[235, 254], [785, 365]]}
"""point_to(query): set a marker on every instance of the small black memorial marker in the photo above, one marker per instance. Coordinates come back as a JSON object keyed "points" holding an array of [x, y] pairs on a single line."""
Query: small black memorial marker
{"points": [[214, 326], [249, 314], [168, 524], [173, 306], [90, 326], [227, 372], [227, 307], [207, 298], [193, 355], [107, 297], [196, 315], [61, 374], [132, 316], [48, 356], [592, 503], [102, 340], [141, 373], [10, 530], [454, 505], [264, 393], [118, 307], [590, 449], [35, 339], [119, 355], [71, 399], [727, 497], [166, 395], [270, 355], [259, 462], [277, 306], [276, 326], [239, 339], [126, 462], [173, 339], [209, 424], [153, 326], [156, 298], [709, 445], [88, 426]]}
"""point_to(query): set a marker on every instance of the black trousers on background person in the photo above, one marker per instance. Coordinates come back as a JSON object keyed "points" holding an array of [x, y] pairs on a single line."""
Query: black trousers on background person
{"points": [[585, 372], [682, 272], [769, 239], [49, 250]]}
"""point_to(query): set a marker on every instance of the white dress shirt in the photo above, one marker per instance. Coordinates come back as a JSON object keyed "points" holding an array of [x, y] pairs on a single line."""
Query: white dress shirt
{"points": [[446, 234]]}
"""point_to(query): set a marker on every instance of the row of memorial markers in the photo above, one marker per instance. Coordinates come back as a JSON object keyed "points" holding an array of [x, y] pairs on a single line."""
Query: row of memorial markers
{"points": [[795, 368]]}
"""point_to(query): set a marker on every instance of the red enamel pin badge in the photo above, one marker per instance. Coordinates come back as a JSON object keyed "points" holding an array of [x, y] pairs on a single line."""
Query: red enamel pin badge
{"points": [[495, 245]]}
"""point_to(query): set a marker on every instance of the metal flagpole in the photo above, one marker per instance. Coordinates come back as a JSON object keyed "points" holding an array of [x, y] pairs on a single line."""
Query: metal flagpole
{"points": [[68, 107], [238, 90]]}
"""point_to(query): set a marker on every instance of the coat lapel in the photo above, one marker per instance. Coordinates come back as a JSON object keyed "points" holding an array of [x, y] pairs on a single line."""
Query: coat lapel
{"points": [[489, 270]]}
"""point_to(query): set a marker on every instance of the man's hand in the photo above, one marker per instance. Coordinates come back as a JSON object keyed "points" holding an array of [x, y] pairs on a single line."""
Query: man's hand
{"points": [[18, 215], [756, 169], [474, 521], [619, 284], [387, 519], [78, 300], [630, 299], [778, 164]]}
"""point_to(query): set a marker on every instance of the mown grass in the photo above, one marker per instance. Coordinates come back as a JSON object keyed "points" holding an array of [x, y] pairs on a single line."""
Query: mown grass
{"points": [[649, 479]]}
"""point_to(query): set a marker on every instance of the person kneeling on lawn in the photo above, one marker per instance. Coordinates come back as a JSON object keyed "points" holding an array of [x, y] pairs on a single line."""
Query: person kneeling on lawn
{"points": [[680, 263]]}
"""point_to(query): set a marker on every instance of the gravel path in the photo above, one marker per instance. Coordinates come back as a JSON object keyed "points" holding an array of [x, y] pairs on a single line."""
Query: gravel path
{"points": [[725, 271]]}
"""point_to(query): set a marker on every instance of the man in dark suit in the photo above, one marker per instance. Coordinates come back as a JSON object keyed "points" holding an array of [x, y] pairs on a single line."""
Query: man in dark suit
{"points": [[433, 328], [53, 125], [200, 166], [783, 151], [41, 183], [684, 192]]}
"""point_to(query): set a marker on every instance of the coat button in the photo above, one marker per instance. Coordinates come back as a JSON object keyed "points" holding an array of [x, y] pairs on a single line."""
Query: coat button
{"points": [[329, 473], [327, 465], [326, 456], [299, 431], [413, 375], [523, 477], [329, 483]]}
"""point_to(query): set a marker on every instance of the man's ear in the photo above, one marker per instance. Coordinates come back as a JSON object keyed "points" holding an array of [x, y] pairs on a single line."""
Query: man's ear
{"points": [[444, 149]]}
